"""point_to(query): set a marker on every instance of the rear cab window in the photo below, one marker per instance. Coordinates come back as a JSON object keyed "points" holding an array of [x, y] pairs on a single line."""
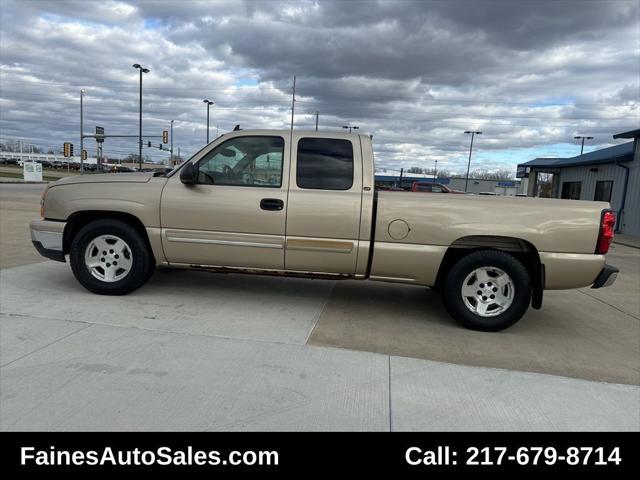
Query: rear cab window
{"points": [[324, 164]]}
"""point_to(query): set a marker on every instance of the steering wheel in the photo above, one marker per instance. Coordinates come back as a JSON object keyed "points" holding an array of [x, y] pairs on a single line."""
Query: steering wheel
{"points": [[227, 171], [210, 177], [248, 178]]}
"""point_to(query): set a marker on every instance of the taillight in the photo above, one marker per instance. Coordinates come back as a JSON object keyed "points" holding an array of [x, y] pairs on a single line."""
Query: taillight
{"points": [[605, 237]]}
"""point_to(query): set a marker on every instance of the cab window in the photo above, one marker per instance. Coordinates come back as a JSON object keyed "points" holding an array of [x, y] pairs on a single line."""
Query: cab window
{"points": [[244, 161], [325, 164]]}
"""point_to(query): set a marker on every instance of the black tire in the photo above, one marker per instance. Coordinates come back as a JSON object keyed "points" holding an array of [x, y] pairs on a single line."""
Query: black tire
{"points": [[452, 290], [142, 264]]}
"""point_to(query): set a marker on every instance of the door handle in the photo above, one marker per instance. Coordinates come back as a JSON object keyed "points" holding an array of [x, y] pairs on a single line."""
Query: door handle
{"points": [[271, 204]]}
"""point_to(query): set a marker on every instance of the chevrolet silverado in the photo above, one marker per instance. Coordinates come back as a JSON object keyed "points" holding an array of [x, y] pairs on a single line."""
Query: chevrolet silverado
{"points": [[304, 204]]}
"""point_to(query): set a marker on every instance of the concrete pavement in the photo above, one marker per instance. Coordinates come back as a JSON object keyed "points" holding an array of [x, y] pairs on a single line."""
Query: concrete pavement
{"points": [[19, 204], [282, 310], [197, 351], [86, 376], [589, 333]]}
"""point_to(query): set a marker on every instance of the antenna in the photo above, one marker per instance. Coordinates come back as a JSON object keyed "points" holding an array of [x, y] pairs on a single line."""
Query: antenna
{"points": [[293, 102]]}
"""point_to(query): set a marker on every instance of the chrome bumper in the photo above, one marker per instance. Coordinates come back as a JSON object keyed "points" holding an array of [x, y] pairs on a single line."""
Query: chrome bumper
{"points": [[47, 237]]}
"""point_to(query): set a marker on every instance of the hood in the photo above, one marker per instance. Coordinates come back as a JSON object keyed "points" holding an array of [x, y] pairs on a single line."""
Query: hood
{"points": [[136, 177]]}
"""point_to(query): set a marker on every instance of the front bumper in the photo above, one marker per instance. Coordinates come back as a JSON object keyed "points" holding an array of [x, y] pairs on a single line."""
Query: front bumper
{"points": [[606, 277], [47, 237]]}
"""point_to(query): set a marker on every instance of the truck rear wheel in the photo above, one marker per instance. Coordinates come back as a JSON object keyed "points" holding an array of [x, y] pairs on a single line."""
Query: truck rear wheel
{"points": [[487, 290], [110, 257]]}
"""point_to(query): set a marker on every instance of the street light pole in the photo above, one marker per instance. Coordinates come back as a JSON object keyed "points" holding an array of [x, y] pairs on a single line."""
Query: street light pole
{"points": [[208, 102], [171, 155], [350, 127], [583, 139], [81, 132], [142, 70], [435, 171], [466, 182], [317, 115]]}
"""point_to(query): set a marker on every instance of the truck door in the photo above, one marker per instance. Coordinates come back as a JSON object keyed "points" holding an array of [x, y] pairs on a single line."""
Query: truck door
{"points": [[324, 203], [235, 215]]}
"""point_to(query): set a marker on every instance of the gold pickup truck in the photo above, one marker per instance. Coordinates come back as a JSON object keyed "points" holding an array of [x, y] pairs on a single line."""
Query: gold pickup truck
{"points": [[304, 204]]}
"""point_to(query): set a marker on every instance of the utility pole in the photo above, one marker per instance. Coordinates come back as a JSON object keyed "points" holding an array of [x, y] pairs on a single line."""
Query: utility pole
{"points": [[317, 115], [583, 139], [293, 103], [81, 133], [142, 70], [171, 155], [98, 153], [466, 182], [209, 103], [401, 172]]}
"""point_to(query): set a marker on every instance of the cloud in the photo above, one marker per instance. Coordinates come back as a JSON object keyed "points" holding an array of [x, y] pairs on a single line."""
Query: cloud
{"points": [[415, 74]]}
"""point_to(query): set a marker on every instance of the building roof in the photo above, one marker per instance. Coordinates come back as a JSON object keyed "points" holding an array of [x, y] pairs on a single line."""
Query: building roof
{"points": [[630, 134], [617, 153]]}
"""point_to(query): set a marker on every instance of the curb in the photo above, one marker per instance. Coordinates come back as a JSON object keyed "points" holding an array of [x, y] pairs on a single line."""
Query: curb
{"points": [[626, 244], [22, 182]]}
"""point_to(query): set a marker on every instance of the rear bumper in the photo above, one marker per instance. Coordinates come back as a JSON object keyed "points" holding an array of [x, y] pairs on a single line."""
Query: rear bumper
{"points": [[47, 236], [606, 277], [570, 270]]}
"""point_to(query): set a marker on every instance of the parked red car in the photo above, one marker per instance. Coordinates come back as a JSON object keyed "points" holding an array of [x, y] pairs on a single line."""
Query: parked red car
{"points": [[431, 187]]}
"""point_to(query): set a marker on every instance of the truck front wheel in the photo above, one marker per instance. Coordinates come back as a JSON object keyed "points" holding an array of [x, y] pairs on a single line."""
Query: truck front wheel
{"points": [[110, 257], [487, 290]]}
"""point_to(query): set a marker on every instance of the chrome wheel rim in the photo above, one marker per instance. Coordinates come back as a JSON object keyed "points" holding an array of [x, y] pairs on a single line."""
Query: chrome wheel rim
{"points": [[488, 291], [108, 258]]}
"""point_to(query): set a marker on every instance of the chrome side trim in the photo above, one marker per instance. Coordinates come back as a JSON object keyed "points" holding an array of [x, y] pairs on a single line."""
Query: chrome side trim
{"points": [[224, 242]]}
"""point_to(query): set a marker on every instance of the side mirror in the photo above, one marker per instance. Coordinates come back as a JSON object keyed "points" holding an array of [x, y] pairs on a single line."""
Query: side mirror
{"points": [[188, 174]]}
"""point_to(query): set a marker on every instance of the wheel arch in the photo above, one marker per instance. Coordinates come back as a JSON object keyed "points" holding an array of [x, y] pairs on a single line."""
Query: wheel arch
{"points": [[521, 249], [77, 220]]}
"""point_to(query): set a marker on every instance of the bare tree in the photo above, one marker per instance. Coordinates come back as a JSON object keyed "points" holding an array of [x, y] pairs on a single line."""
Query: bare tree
{"points": [[545, 185], [484, 174], [14, 146]]}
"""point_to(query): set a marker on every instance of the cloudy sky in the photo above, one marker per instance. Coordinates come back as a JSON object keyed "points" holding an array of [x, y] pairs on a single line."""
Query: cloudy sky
{"points": [[415, 74]]}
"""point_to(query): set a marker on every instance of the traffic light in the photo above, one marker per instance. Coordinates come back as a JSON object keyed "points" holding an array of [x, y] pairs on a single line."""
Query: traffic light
{"points": [[165, 136], [149, 144], [67, 149], [160, 147], [84, 154]]}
